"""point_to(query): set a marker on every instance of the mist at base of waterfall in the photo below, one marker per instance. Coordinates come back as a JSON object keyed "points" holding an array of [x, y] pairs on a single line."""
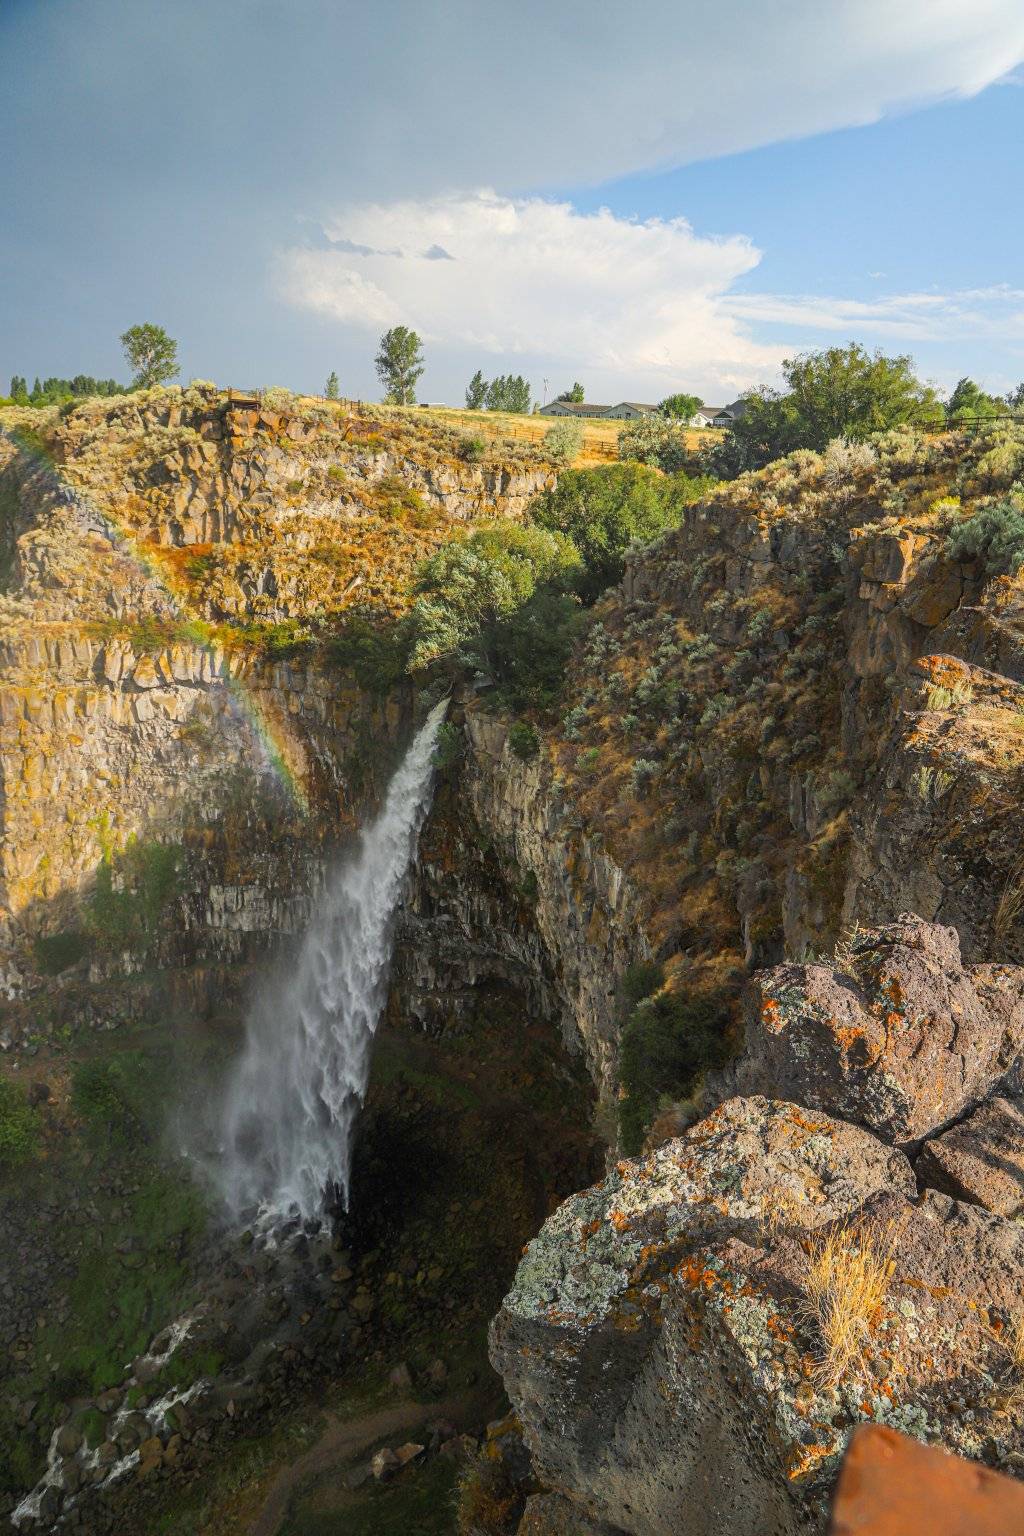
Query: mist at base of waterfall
{"points": [[289, 1107]]}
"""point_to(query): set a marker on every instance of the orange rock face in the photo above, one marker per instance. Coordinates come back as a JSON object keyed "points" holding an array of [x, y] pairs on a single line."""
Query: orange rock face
{"points": [[891, 1485]]}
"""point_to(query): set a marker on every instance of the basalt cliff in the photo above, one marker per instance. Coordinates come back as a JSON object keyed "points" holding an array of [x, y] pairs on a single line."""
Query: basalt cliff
{"points": [[700, 1073]]}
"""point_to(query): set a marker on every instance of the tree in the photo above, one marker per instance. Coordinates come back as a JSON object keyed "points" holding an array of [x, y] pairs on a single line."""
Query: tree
{"points": [[968, 402], [331, 389], [681, 407], [1015, 398], [605, 510], [509, 392], [476, 392], [850, 392], [469, 589], [399, 365], [151, 354], [574, 396], [767, 428]]}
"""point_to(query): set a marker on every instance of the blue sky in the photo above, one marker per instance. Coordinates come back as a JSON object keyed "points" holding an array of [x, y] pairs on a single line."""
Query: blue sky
{"points": [[548, 191]]}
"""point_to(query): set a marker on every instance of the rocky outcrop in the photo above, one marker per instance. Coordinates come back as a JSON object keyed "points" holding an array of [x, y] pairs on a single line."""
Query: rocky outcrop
{"points": [[652, 1343], [665, 1346], [981, 1159], [898, 1035]]}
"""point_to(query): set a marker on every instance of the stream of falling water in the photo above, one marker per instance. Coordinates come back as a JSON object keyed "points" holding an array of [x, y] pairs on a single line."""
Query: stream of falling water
{"points": [[293, 1097]]}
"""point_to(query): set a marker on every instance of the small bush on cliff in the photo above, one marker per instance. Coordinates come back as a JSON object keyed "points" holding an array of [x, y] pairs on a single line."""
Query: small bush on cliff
{"points": [[132, 892], [19, 1126], [668, 1042], [377, 654], [57, 952], [104, 1094], [448, 746], [523, 740], [994, 536]]}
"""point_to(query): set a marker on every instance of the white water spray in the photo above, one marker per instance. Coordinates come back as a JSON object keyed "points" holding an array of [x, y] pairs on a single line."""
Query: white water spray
{"points": [[293, 1098]]}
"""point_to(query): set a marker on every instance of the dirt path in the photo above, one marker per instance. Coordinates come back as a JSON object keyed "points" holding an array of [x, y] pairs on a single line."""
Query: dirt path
{"points": [[344, 1439]]}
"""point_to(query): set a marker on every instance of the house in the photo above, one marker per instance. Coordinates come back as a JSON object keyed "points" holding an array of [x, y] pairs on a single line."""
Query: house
{"points": [[720, 416], [626, 410]]}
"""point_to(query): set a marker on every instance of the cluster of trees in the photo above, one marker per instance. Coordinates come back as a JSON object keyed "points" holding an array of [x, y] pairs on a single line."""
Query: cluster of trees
{"points": [[843, 392], [49, 391], [508, 392], [150, 353]]}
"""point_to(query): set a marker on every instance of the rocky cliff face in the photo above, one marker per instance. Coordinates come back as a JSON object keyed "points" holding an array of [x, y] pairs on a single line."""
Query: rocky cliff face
{"points": [[155, 545]]}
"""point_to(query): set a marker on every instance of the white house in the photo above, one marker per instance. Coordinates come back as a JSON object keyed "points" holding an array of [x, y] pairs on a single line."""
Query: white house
{"points": [[721, 416]]}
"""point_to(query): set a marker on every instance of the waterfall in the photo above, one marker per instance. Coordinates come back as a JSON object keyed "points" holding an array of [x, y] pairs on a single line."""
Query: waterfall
{"points": [[293, 1097]]}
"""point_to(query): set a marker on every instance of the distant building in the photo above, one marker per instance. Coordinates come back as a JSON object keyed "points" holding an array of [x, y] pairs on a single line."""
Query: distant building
{"points": [[626, 410], [721, 416]]}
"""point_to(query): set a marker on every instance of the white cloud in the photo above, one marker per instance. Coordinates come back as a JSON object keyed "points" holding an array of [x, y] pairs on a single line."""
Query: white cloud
{"points": [[631, 307], [612, 299]]}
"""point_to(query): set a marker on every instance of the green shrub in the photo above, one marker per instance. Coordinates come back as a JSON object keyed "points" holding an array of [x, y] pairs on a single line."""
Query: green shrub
{"points": [[994, 536], [448, 745], [473, 448], [132, 893], [337, 475], [57, 952], [105, 1094], [523, 739], [563, 442], [657, 441], [19, 1126], [395, 497], [606, 510], [668, 1042], [377, 655]]}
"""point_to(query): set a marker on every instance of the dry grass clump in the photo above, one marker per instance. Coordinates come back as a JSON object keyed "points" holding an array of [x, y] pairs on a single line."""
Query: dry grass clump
{"points": [[846, 1287], [1011, 901]]}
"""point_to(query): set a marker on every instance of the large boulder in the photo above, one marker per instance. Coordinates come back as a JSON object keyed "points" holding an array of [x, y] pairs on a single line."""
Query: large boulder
{"points": [[896, 1033], [658, 1343], [981, 1159]]}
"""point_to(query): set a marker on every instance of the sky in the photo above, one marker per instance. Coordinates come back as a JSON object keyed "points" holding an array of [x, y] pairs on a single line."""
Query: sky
{"points": [[676, 196]]}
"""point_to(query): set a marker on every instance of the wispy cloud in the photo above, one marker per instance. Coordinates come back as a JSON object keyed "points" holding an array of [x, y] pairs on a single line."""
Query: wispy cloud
{"points": [[972, 312]]}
